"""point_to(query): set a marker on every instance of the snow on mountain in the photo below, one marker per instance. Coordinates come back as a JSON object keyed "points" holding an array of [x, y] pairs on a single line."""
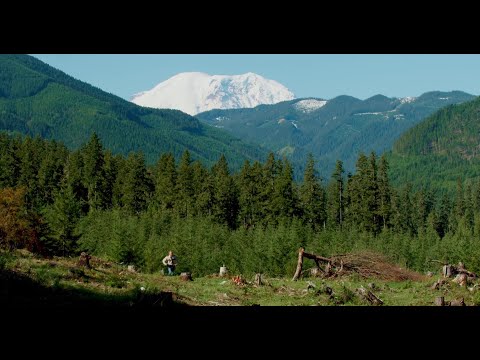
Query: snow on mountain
{"points": [[407, 99], [195, 92], [309, 105]]}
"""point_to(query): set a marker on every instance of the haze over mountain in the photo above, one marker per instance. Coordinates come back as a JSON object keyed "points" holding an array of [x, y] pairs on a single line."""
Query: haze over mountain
{"points": [[339, 128], [37, 99], [195, 92]]}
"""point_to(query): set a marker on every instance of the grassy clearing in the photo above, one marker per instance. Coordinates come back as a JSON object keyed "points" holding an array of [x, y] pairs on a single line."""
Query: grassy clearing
{"points": [[26, 278]]}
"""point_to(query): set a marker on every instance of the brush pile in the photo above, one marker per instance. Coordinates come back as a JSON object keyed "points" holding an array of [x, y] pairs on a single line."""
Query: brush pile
{"points": [[364, 264]]}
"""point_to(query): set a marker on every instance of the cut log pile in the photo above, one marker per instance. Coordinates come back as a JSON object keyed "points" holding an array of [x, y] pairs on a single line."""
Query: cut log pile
{"points": [[364, 264], [462, 276]]}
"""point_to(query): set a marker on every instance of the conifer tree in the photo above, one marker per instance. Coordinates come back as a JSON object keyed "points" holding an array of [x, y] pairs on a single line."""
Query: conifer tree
{"points": [[225, 208], [184, 185], [336, 196], [93, 172], [165, 181], [312, 196]]}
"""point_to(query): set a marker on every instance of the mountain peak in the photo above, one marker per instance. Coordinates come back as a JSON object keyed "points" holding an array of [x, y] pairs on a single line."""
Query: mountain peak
{"points": [[195, 92]]}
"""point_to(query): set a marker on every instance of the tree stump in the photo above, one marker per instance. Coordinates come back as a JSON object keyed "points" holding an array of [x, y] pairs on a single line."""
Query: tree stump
{"points": [[186, 276], [440, 301], [369, 296], [258, 280], [461, 279], [223, 271], [447, 271], [84, 260], [458, 302], [131, 268]]}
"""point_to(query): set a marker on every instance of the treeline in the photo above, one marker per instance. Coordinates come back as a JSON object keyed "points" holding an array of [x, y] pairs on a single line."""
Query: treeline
{"points": [[62, 202]]}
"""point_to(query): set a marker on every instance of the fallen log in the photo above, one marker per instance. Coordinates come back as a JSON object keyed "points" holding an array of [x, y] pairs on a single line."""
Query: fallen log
{"points": [[301, 253], [369, 296]]}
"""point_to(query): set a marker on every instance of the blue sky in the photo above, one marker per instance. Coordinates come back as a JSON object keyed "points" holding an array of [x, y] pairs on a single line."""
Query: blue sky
{"points": [[321, 75]]}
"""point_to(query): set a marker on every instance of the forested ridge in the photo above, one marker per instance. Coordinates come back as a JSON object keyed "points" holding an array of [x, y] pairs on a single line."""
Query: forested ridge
{"points": [[37, 99], [339, 128], [440, 149], [57, 201]]}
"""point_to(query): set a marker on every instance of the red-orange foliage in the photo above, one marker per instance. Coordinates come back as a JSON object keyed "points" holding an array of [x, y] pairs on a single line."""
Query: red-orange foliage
{"points": [[18, 228]]}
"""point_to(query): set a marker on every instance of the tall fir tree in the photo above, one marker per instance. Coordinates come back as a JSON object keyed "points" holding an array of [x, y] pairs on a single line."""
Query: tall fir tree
{"points": [[336, 196], [185, 185], [384, 193], [137, 186], [312, 196], [165, 181], [225, 208], [93, 172]]}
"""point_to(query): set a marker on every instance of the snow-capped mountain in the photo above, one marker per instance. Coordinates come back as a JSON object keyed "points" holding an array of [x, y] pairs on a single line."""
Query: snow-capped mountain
{"points": [[195, 92]]}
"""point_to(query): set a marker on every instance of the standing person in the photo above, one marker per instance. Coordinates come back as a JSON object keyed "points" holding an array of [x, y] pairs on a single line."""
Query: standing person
{"points": [[170, 261]]}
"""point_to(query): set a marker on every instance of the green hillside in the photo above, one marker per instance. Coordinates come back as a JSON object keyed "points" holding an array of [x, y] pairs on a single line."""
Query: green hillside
{"points": [[441, 149], [36, 99], [341, 129]]}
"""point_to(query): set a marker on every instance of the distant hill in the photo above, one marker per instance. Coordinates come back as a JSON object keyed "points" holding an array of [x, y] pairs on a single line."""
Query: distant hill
{"points": [[440, 149], [339, 128], [37, 99]]}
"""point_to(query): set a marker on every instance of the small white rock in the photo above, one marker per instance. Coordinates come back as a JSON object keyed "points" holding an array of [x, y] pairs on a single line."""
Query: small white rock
{"points": [[142, 288]]}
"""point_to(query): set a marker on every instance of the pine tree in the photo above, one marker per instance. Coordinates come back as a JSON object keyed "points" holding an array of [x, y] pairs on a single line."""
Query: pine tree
{"points": [[62, 217], [270, 172], [459, 200], [363, 194], [443, 216], [110, 171], [384, 193], [165, 181], [184, 185], [284, 200], [336, 196], [312, 196], [73, 176], [51, 171], [9, 161], [137, 186], [93, 172], [203, 190], [225, 208], [250, 185], [29, 164]]}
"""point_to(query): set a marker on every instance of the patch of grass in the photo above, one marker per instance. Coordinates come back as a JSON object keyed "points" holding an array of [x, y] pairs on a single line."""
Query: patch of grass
{"points": [[114, 285]]}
